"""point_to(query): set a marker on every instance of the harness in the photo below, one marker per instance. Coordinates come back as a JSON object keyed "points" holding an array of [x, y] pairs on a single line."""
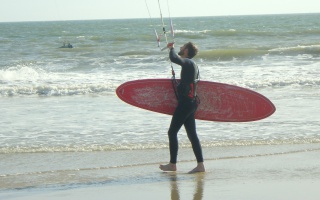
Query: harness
{"points": [[193, 85], [186, 89]]}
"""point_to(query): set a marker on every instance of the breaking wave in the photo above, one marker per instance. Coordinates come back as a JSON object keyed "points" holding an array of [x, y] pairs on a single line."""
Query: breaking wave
{"points": [[25, 81], [155, 145], [251, 53]]}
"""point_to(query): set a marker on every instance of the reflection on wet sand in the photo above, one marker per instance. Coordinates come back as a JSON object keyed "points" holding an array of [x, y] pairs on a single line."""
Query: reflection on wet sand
{"points": [[197, 178]]}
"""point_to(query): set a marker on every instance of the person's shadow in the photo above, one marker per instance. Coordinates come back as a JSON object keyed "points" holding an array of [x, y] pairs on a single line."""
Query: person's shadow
{"points": [[199, 186]]}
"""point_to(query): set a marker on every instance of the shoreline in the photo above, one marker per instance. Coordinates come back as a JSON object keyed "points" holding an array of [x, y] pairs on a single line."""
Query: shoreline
{"points": [[277, 176]]}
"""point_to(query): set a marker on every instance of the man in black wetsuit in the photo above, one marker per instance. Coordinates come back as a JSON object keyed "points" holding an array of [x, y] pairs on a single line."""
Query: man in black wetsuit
{"points": [[187, 105]]}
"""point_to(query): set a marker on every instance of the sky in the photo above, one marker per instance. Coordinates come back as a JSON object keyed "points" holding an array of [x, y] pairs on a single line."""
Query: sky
{"points": [[56, 10]]}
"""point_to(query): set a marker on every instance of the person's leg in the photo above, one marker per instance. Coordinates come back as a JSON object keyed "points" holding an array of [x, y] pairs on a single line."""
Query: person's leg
{"points": [[190, 126], [181, 113], [175, 126], [176, 123]]}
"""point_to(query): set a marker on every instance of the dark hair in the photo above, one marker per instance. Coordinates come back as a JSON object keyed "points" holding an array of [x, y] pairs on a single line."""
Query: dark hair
{"points": [[192, 49]]}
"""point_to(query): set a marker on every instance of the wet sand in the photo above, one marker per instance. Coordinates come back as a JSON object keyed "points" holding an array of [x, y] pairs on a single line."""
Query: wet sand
{"points": [[292, 175]]}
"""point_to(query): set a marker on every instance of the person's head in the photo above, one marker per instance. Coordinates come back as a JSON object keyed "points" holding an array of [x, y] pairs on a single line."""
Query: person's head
{"points": [[189, 50]]}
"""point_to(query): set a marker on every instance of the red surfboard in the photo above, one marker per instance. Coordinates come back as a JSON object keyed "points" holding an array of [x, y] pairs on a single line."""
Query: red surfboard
{"points": [[218, 101]]}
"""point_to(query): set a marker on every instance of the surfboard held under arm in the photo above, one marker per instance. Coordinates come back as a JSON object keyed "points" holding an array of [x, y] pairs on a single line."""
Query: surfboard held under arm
{"points": [[218, 101]]}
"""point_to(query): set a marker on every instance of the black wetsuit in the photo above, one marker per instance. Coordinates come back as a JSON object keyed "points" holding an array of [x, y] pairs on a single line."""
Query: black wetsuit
{"points": [[187, 105]]}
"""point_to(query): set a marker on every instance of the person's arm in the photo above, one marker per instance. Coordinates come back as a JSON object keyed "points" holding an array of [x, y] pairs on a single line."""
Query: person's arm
{"points": [[174, 57]]}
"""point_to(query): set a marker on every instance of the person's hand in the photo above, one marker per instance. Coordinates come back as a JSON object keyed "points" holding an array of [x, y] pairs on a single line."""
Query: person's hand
{"points": [[170, 45]]}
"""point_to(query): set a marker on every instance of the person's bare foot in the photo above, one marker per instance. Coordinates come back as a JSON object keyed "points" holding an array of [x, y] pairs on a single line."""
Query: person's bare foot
{"points": [[198, 168], [169, 167]]}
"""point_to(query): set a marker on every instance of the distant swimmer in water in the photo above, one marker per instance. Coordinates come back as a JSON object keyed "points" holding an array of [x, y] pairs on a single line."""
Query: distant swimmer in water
{"points": [[66, 46]]}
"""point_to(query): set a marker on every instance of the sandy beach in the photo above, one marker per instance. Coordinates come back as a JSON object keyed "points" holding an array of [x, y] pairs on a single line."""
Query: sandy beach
{"points": [[293, 174]]}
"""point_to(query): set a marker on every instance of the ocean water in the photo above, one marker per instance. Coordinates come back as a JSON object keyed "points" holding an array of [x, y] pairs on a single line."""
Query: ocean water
{"points": [[59, 112]]}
